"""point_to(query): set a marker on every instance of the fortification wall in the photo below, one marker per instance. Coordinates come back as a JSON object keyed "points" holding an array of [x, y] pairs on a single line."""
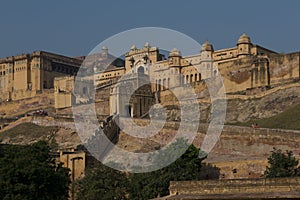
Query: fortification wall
{"points": [[240, 108], [14, 108], [236, 74], [284, 68], [102, 104], [240, 152], [246, 187], [244, 169], [256, 134], [240, 75], [263, 93]]}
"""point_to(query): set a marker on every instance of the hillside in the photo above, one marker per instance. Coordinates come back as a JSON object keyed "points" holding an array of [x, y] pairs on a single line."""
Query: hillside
{"points": [[253, 109], [246, 109], [288, 119], [28, 133]]}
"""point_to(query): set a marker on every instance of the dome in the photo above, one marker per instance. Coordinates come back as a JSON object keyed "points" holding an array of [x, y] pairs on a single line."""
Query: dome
{"points": [[133, 48], [244, 38], [175, 52], [207, 46], [147, 45], [104, 48]]}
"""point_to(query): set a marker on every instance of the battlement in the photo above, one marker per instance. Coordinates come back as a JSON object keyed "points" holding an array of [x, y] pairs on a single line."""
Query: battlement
{"points": [[238, 188]]}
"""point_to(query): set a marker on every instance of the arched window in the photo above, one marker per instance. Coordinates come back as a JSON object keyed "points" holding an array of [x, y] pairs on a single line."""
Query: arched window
{"points": [[84, 90], [141, 70], [159, 85], [164, 84], [207, 66]]}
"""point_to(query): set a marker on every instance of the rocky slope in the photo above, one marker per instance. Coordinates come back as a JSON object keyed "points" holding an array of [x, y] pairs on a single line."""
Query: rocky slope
{"points": [[258, 108], [241, 108]]}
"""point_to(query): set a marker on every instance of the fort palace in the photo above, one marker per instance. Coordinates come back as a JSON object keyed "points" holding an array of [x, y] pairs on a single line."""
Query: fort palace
{"points": [[246, 69]]}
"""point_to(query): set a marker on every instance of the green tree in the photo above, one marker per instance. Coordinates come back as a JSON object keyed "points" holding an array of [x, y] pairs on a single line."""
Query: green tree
{"points": [[102, 182], [282, 164], [188, 167], [28, 172]]}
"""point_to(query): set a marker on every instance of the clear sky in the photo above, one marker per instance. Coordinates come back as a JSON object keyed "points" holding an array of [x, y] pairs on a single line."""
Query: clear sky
{"points": [[75, 27]]}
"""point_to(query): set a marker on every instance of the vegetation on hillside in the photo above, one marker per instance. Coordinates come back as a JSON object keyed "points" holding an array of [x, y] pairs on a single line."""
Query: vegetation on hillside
{"points": [[289, 119], [28, 131], [28, 172], [282, 164], [102, 182]]}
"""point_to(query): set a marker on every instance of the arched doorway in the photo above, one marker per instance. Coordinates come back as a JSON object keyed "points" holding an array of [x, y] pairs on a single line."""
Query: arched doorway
{"points": [[128, 111], [84, 91]]}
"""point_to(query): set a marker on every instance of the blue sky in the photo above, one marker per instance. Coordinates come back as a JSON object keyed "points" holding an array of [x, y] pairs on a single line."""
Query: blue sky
{"points": [[74, 28]]}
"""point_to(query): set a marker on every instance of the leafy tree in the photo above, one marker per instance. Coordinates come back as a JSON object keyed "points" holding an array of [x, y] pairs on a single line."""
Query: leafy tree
{"points": [[188, 167], [282, 164], [102, 182], [28, 172]]}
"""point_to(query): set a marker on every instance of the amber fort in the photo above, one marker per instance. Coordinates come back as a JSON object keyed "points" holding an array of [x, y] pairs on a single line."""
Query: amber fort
{"points": [[246, 68], [258, 83]]}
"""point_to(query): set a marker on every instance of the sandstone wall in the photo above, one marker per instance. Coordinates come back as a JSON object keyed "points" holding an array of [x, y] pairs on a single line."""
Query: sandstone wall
{"points": [[40, 101], [284, 68], [240, 108], [240, 152], [102, 104], [250, 187], [236, 74], [75, 161]]}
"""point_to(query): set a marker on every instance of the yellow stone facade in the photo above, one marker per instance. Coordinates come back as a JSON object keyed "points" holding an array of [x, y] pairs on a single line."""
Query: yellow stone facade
{"points": [[66, 93], [246, 68], [178, 70], [25, 75], [75, 161], [63, 88]]}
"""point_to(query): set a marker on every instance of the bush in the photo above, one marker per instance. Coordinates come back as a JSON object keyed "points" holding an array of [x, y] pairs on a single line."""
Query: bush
{"points": [[282, 164], [28, 172]]}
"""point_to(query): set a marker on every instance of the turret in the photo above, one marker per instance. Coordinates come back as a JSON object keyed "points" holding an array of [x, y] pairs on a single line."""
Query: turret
{"points": [[175, 67], [206, 61], [244, 45], [147, 45], [174, 58], [104, 52], [207, 50]]}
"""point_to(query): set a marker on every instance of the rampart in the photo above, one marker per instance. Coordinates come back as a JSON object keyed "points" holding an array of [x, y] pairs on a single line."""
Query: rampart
{"points": [[263, 188], [240, 152]]}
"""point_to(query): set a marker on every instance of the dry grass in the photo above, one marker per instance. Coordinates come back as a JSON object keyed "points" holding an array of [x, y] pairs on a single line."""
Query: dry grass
{"points": [[289, 119], [26, 130]]}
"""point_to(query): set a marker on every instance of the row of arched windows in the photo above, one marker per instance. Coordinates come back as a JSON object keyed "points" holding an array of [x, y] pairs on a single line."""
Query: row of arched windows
{"points": [[162, 84], [190, 78]]}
